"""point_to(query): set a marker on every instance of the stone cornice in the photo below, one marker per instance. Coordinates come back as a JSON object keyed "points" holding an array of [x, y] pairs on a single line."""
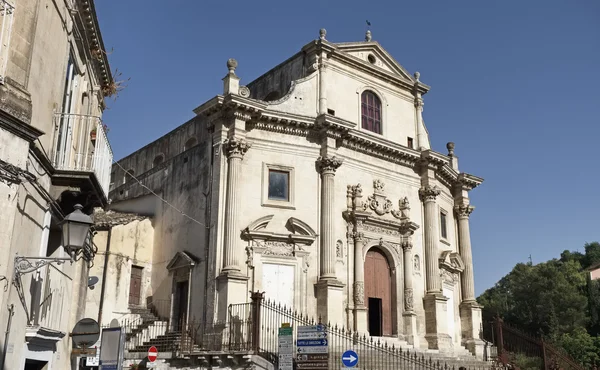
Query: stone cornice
{"points": [[19, 128], [258, 117], [89, 20]]}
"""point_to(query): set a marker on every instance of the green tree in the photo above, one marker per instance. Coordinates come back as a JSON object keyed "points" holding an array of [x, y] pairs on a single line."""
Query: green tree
{"points": [[555, 299]]}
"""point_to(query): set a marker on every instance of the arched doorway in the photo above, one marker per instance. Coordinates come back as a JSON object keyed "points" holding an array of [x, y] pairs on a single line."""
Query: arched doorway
{"points": [[378, 293]]}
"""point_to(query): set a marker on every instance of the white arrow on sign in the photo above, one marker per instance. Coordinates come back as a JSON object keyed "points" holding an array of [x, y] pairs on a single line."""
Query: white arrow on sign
{"points": [[350, 358]]}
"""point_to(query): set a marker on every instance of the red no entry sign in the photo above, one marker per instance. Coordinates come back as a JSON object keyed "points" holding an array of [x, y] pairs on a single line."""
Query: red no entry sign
{"points": [[152, 354]]}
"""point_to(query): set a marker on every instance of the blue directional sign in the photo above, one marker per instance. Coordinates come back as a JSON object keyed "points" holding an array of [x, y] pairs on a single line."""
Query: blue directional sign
{"points": [[350, 358], [311, 342]]}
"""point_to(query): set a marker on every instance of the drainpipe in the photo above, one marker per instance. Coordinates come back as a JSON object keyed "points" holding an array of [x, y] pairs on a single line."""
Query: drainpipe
{"points": [[207, 219], [11, 312], [106, 256]]}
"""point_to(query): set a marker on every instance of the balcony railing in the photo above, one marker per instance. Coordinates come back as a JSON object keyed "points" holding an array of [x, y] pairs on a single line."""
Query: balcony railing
{"points": [[81, 144]]}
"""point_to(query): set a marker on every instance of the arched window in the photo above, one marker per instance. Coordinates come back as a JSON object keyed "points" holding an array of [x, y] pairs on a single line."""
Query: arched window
{"points": [[158, 160], [190, 143], [371, 112]]}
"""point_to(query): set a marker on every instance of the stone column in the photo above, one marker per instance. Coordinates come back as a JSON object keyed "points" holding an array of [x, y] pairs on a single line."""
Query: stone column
{"points": [[464, 236], [360, 311], [470, 310], [327, 166], [234, 148], [410, 317], [432, 271], [329, 289], [435, 304]]}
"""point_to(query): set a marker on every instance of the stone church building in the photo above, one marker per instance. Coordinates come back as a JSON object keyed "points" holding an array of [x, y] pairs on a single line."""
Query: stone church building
{"points": [[315, 183]]}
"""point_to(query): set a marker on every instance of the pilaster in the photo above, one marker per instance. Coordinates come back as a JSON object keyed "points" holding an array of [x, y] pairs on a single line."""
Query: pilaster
{"points": [[330, 296], [360, 311], [428, 194], [234, 148], [409, 315]]}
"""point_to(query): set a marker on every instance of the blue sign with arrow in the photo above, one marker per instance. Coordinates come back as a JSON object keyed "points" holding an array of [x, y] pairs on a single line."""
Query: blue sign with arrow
{"points": [[350, 358], [311, 342]]}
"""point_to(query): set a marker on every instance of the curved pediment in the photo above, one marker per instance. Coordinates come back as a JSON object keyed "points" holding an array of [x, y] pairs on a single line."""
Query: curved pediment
{"points": [[260, 223], [300, 227], [301, 232], [452, 262]]}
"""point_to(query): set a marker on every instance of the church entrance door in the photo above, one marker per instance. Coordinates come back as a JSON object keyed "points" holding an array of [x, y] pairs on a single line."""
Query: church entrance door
{"points": [[378, 293]]}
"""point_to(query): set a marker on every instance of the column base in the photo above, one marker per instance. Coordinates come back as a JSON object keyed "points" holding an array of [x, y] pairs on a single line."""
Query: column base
{"points": [[436, 328], [330, 301], [232, 287], [410, 328], [361, 324], [470, 322]]}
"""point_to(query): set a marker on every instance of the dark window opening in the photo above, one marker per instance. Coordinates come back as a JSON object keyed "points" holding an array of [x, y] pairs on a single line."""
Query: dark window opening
{"points": [[371, 59], [371, 112], [410, 143], [54, 241], [279, 185], [158, 160], [331, 111], [185, 159], [444, 228], [192, 142]]}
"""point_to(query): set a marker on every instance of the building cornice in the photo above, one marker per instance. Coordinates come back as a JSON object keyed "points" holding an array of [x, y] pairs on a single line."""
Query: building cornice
{"points": [[19, 128], [94, 38], [259, 117]]}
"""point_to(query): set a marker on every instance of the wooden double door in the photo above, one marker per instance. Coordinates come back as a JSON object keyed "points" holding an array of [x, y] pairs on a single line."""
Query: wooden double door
{"points": [[378, 293]]}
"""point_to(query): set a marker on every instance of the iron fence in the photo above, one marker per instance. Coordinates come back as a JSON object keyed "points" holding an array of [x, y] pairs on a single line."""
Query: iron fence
{"points": [[373, 353], [512, 342]]}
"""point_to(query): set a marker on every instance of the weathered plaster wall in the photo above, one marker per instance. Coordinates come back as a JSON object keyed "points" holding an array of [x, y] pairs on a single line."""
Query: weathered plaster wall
{"points": [[183, 181], [131, 244], [141, 161], [42, 34], [276, 82]]}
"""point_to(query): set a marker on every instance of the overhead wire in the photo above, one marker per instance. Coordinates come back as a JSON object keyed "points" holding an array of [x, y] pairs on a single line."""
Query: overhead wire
{"points": [[159, 197]]}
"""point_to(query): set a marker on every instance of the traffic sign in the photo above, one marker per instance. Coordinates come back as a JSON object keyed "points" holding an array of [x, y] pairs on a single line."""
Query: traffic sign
{"points": [[152, 354], [350, 358], [311, 342], [286, 347]]}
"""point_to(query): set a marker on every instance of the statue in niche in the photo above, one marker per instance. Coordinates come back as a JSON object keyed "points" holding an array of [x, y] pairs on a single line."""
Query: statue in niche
{"points": [[417, 263], [339, 253]]}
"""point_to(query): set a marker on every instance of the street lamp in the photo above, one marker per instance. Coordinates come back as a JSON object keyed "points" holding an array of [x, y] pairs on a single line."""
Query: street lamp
{"points": [[75, 229]]}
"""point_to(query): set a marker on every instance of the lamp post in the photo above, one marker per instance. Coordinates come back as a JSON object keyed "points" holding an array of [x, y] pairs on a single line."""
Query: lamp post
{"points": [[75, 231]]}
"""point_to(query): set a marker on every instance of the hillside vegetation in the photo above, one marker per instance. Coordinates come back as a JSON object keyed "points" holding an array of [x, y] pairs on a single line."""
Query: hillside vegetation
{"points": [[554, 299]]}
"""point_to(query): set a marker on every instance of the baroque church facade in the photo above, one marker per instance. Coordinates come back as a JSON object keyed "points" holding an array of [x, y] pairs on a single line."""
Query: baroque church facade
{"points": [[316, 184]]}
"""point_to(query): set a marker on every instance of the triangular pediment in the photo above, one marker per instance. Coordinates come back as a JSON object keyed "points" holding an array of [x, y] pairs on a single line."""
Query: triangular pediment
{"points": [[379, 57], [181, 260]]}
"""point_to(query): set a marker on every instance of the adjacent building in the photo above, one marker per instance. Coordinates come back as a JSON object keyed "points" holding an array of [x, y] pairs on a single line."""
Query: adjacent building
{"points": [[54, 154], [315, 183]]}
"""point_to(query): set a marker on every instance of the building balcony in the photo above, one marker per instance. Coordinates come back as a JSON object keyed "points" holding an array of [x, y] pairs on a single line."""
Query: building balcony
{"points": [[82, 156]]}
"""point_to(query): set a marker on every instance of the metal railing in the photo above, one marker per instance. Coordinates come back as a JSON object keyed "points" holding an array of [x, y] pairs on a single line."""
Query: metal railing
{"points": [[373, 353], [81, 144], [511, 342], [7, 11], [253, 328]]}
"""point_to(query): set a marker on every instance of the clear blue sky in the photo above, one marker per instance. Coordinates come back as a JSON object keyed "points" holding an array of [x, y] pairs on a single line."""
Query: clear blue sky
{"points": [[515, 84]]}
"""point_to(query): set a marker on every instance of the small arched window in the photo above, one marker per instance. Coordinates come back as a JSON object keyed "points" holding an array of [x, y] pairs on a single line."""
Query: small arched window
{"points": [[158, 160], [371, 112], [192, 142]]}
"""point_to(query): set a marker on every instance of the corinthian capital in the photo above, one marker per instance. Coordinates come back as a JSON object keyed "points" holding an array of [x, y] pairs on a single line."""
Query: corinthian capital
{"points": [[329, 164], [463, 210], [236, 147], [429, 193]]}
